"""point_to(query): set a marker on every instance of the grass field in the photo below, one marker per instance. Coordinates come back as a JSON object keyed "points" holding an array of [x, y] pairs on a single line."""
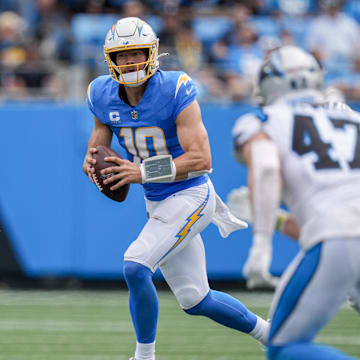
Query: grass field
{"points": [[95, 325]]}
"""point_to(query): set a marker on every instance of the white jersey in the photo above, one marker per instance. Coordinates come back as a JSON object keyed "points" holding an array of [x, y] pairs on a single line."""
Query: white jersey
{"points": [[320, 155]]}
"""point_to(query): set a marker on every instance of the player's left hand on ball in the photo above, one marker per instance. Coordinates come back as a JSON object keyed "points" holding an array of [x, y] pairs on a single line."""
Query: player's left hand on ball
{"points": [[89, 162], [125, 172]]}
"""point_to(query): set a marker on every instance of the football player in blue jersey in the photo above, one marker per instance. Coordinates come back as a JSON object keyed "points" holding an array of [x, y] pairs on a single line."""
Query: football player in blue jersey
{"points": [[157, 120]]}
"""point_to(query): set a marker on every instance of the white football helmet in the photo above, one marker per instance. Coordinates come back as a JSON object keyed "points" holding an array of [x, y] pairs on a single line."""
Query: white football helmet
{"points": [[288, 70], [127, 34]]}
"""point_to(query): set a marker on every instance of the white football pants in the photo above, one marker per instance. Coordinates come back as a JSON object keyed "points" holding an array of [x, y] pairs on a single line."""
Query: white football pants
{"points": [[171, 240], [312, 290]]}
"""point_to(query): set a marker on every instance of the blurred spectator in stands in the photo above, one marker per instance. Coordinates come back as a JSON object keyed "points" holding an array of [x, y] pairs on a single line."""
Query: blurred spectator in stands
{"points": [[134, 8], [290, 8], [200, 6], [243, 61], [186, 52], [23, 69], [95, 6], [334, 39], [219, 52], [75, 6], [211, 86], [171, 26], [13, 87], [13, 49], [13, 54], [88, 31], [188, 49], [51, 29]]}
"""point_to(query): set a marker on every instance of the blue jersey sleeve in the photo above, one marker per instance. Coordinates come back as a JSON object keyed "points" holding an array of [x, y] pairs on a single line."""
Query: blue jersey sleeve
{"points": [[184, 94], [98, 94], [91, 98]]}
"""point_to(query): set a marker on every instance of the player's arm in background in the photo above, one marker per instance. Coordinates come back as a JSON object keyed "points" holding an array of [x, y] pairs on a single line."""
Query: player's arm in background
{"points": [[244, 131], [194, 141], [238, 201], [100, 135], [262, 158]]}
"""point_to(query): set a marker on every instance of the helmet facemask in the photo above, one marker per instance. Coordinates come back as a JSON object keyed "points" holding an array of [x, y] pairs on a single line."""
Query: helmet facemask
{"points": [[144, 70]]}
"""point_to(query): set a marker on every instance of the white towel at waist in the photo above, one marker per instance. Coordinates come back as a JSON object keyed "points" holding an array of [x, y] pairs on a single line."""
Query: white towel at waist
{"points": [[225, 220]]}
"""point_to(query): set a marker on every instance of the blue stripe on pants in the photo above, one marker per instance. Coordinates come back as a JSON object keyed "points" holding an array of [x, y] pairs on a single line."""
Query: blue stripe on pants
{"points": [[294, 289]]}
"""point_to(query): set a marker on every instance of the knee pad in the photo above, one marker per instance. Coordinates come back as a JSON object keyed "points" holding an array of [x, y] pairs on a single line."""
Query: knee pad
{"points": [[188, 297], [135, 272]]}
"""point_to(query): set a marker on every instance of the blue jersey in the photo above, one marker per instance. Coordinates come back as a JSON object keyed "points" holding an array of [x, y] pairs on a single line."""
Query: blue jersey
{"points": [[149, 128]]}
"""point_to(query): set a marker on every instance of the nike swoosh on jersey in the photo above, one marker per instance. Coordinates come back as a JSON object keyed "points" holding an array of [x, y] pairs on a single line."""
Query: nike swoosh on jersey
{"points": [[189, 91]]}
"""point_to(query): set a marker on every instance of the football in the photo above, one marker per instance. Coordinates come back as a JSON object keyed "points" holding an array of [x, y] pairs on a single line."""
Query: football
{"points": [[102, 152]]}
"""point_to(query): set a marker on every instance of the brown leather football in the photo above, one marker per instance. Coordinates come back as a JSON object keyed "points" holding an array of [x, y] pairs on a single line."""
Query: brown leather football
{"points": [[102, 152]]}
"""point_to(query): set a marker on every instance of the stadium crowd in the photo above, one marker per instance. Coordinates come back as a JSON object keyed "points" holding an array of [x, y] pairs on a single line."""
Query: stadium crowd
{"points": [[49, 49]]}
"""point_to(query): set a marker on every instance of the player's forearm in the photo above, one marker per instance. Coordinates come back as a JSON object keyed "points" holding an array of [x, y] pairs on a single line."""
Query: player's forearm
{"points": [[100, 135], [192, 162], [265, 185], [99, 138]]}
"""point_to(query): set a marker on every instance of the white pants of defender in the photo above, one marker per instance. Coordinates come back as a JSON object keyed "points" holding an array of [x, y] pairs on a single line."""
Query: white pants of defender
{"points": [[335, 275], [171, 240]]}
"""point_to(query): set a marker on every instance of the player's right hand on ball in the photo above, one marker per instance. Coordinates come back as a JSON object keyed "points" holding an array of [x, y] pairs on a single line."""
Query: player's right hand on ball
{"points": [[89, 162]]}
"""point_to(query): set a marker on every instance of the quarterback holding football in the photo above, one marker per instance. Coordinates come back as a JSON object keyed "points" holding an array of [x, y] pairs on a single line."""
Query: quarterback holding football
{"points": [[157, 120]]}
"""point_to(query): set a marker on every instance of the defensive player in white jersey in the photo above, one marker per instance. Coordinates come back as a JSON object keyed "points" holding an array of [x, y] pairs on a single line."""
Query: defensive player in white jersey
{"points": [[309, 152], [157, 120]]}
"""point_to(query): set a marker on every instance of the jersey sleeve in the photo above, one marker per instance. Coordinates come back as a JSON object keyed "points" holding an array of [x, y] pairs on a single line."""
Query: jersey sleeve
{"points": [[279, 125], [246, 126], [91, 99], [184, 93]]}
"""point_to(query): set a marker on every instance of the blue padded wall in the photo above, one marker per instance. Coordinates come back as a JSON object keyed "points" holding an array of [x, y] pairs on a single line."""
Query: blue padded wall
{"points": [[61, 225]]}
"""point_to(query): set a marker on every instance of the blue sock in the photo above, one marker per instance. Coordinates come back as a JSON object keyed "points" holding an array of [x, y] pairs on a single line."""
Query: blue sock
{"points": [[143, 301], [225, 310], [306, 351]]}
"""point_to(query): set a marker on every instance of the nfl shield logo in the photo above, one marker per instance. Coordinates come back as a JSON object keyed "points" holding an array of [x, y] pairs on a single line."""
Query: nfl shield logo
{"points": [[134, 115]]}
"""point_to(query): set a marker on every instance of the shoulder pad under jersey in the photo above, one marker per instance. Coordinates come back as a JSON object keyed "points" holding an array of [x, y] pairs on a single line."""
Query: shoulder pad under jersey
{"points": [[246, 126]]}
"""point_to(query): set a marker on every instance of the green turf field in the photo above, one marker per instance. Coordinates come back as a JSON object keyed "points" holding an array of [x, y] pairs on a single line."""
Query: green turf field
{"points": [[95, 325]]}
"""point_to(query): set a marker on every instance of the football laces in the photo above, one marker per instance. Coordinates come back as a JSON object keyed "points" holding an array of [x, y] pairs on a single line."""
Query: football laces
{"points": [[97, 182]]}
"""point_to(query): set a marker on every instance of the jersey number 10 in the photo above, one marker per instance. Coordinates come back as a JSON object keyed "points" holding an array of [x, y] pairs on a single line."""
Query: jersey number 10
{"points": [[143, 142]]}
